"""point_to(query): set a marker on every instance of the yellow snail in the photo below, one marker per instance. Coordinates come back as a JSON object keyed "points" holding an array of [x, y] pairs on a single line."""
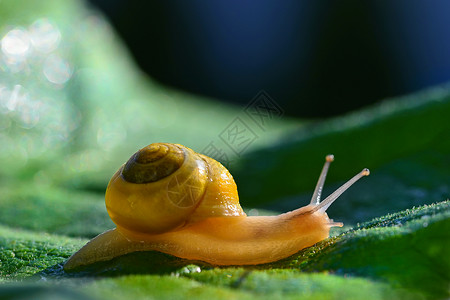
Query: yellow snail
{"points": [[171, 199]]}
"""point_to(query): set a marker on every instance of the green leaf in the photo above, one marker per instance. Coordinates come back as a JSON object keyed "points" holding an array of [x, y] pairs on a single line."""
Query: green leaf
{"points": [[39, 292], [382, 250], [409, 249], [49, 209], [257, 284], [24, 253]]}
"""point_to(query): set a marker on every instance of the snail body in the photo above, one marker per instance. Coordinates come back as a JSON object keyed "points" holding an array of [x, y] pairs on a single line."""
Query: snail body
{"points": [[170, 199]]}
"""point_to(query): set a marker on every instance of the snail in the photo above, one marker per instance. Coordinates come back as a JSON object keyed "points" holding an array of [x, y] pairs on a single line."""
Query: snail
{"points": [[168, 198]]}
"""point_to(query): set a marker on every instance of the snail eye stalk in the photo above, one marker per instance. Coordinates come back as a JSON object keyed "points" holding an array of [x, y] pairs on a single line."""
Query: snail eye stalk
{"points": [[323, 206], [315, 200]]}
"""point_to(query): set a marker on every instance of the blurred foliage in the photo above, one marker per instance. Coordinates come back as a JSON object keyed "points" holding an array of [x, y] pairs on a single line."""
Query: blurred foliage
{"points": [[53, 210], [73, 108]]}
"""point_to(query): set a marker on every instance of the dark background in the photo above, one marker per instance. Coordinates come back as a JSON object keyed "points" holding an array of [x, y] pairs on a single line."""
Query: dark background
{"points": [[314, 58]]}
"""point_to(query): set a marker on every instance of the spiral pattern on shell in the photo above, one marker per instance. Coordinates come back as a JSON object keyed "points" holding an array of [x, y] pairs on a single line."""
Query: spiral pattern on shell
{"points": [[153, 163]]}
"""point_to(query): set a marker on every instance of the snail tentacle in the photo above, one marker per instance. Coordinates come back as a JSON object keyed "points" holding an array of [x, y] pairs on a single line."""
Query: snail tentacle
{"points": [[315, 199], [323, 206]]}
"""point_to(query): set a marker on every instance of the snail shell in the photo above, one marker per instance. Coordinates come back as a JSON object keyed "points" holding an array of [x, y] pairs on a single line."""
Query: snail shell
{"points": [[168, 198], [164, 186]]}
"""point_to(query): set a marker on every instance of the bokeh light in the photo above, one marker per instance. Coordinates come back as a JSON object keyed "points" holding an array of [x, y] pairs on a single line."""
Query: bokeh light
{"points": [[45, 36], [35, 115], [57, 70]]}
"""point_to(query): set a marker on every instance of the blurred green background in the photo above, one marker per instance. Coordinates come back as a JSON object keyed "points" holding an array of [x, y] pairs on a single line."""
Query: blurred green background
{"points": [[74, 106]]}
